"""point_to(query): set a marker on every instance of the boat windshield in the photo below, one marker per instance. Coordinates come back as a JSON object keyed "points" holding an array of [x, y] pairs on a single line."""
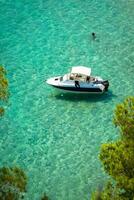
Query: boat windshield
{"points": [[66, 77], [61, 78]]}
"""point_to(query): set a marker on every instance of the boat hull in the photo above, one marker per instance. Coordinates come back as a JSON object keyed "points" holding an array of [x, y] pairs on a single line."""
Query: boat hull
{"points": [[79, 90], [99, 86]]}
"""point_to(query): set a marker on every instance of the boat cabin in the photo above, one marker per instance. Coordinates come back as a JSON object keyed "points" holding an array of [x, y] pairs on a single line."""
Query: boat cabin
{"points": [[80, 73]]}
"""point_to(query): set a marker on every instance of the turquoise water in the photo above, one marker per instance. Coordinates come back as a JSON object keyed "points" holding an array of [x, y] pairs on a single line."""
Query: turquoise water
{"points": [[55, 137]]}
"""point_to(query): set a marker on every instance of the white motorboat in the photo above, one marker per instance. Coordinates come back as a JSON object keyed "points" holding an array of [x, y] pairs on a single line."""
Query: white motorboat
{"points": [[79, 80]]}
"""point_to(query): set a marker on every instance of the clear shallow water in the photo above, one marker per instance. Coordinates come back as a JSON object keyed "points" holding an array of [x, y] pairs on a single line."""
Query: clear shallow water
{"points": [[54, 137]]}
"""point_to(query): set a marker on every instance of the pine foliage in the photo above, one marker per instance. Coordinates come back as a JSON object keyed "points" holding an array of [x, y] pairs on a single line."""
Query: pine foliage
{"points": [[118, 157], [3, 88]]}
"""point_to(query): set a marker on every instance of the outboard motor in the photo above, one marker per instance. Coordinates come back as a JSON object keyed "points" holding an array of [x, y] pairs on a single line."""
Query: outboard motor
{"points": [[106, 84]]}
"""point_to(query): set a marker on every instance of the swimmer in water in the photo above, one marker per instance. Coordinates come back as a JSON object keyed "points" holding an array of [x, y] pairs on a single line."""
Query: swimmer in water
{"points": [[93, 36]]}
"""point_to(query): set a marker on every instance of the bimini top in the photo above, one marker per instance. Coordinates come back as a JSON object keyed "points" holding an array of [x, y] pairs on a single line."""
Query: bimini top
{"points": [[81, 70]]}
